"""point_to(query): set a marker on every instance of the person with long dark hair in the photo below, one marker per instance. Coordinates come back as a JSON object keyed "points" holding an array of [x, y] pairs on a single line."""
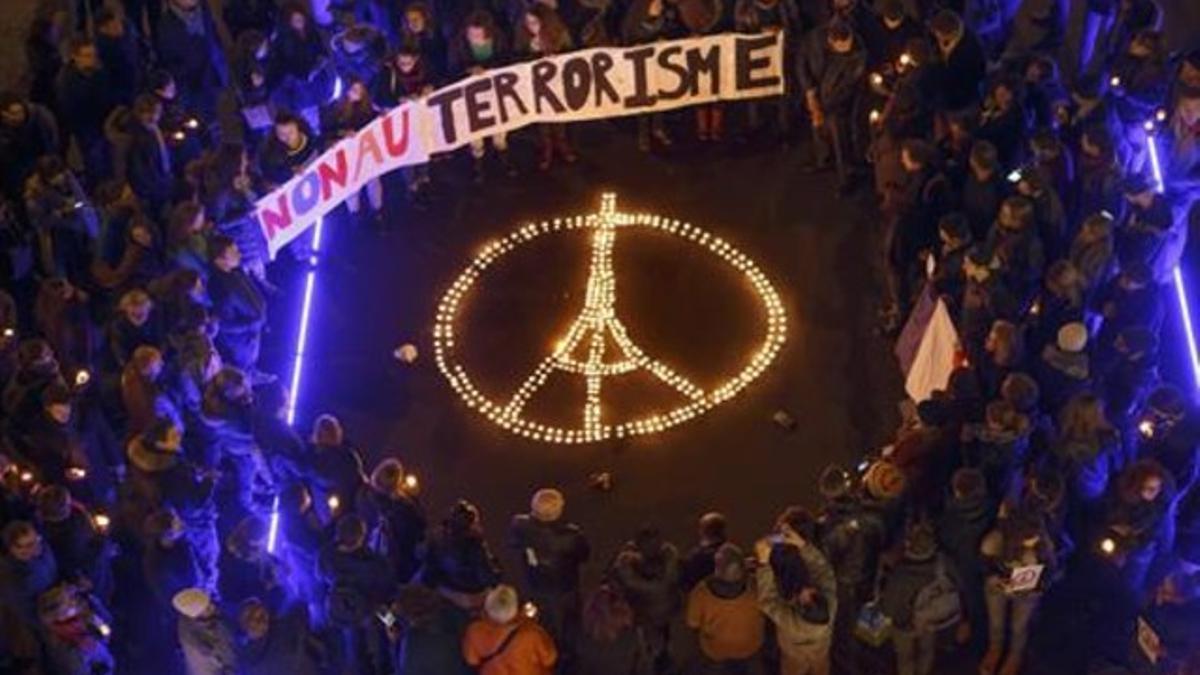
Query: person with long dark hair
{"points": [[342, 119]]}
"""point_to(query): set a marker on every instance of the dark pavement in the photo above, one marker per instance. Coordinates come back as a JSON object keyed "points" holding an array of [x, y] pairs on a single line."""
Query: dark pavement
{"points": [[833, 376]]}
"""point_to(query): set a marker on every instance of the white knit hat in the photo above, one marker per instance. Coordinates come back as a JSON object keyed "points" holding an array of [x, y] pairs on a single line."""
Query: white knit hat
{"points": [[547, 505], [500, 606], [1073, 337], [191, 602]]}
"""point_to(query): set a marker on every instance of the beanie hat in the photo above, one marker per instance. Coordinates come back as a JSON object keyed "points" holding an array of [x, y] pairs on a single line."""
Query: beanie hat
{"points": [[500, 606], [883, 480], [1073, 337], [547, 505], [191, 602]]}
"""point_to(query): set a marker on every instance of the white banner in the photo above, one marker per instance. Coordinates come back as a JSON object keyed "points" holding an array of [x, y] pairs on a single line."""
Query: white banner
{"points": [[582, 85]]}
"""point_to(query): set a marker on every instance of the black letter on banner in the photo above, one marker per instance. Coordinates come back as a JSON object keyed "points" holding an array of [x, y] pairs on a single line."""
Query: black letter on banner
{"points": [[506, 88], [577, 82], [641, 97], [709, 63], [747, 62], [543, 72], [444, 102], [601, 64], [686, 80], [478, 109]]}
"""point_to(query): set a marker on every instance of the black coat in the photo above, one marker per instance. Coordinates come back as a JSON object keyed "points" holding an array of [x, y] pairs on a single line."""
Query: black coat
{"points": [[288, 647], [837, 78], [359, 581], [22, 582], [196, 61], [463, 565], [553, 553], [85, 100], [237, 302], [149, 166], [170, 570], [20, 147], [398, 528], [961, 73], [124, 60]]}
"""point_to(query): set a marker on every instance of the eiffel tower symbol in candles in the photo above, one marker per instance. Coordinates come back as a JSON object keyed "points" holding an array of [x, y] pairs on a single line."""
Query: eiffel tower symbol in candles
{"points": [[597, 345]]}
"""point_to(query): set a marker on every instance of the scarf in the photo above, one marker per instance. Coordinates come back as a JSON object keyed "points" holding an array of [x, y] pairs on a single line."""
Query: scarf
{"points": [[484, 51], [193, 21]]}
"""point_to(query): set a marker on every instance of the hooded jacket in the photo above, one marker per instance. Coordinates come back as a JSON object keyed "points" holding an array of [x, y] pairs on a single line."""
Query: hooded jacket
{"points": [[793, 630]]}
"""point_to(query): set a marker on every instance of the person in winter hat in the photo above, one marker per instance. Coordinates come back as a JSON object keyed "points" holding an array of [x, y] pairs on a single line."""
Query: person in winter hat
{"points": [[797, 592], [1064, 369], [723, 610], [553, 551], [208, 647], [505, 641]]}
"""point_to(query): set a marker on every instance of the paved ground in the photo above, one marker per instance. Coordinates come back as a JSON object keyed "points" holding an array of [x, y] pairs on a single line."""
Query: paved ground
{"points": [[834, 377]]}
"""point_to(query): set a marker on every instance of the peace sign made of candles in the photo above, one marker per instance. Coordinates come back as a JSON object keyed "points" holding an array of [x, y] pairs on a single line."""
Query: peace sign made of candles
{"points": [[584, 350]]}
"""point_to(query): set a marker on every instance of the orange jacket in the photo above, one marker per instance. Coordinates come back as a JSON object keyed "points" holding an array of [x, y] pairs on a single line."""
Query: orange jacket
{"points": [[531, 652], [729, 628]]}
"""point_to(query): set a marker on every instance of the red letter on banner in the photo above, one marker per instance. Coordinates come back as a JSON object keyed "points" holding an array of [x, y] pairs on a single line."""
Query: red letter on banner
{"points": [[279, 219], [332, 174], [396, 146]]}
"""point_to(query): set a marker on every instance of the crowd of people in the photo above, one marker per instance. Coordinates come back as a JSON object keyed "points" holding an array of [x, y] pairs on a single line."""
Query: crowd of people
{"points": [[158, 513]]}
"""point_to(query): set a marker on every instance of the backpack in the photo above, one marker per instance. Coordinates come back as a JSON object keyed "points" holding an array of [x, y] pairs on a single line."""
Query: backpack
{"points": [[937, 605]]}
